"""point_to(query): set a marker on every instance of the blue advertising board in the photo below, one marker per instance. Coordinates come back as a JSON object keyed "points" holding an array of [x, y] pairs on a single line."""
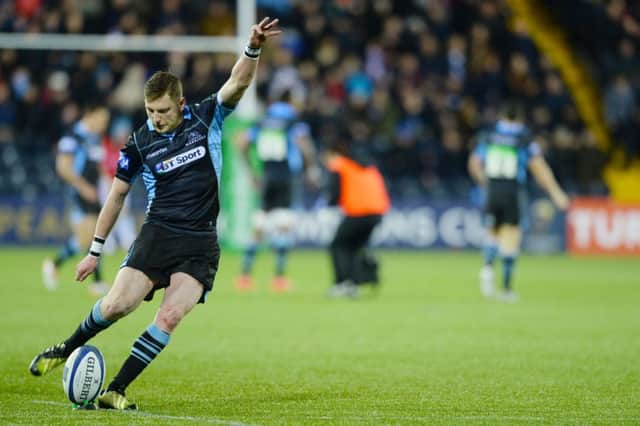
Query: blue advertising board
{"points": [[421, 225]]}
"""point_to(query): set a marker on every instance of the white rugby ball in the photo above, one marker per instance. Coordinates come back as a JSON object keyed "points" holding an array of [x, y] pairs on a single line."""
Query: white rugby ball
{"points": [[83, 374]]}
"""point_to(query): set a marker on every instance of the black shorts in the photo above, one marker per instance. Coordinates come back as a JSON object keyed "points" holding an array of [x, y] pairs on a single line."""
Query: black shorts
{"points": [[502, 208], [276, 194], [160, 252]]}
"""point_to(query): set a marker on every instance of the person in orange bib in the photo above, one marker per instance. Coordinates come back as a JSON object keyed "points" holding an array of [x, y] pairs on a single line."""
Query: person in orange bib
{"points": [[356, 185]]}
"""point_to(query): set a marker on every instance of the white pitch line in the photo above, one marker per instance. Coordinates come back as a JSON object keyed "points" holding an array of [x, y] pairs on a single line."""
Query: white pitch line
{"points": [[426, 418], [211, 420], [455, 418]]}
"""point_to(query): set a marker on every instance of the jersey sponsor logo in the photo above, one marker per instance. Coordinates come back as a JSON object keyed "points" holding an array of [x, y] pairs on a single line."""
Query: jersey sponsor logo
{"points": [[180, 160], [157, 152], [195, 137], [123, 161]]}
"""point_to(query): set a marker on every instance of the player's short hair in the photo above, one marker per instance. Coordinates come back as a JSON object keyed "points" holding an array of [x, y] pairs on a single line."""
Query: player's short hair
{"points": [[90, 106], [162, 82]]}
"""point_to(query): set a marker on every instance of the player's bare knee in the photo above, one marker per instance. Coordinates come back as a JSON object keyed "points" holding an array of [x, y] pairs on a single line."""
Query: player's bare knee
{"points": [[169, 316], [115, 308]]}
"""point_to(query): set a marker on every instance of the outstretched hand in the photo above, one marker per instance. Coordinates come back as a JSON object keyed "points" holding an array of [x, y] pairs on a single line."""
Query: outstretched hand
{"points": [[262, 31], [86, 267]]}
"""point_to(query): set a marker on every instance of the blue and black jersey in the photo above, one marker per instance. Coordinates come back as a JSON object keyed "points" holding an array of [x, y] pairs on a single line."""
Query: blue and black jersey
{"points": [[505, 151], [87, 152], [274, 138], [181, 170]]}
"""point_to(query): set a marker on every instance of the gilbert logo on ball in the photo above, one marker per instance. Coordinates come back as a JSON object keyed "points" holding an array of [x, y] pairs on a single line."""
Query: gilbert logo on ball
{"points": [[83, 374]]}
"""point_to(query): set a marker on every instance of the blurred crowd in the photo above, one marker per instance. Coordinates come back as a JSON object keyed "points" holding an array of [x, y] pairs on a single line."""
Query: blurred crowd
{"points": [[415, 80]]}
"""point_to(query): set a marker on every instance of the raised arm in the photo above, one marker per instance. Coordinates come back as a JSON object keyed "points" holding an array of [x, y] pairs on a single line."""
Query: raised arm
{"points": [[245, 67]]}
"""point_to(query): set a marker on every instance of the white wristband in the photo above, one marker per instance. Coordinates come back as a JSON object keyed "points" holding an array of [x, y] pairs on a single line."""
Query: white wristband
{"points": [[252, 52], [96, 246]]}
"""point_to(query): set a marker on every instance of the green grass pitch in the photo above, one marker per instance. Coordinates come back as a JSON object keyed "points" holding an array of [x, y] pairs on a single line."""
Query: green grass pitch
{"points": [[428, 349]]}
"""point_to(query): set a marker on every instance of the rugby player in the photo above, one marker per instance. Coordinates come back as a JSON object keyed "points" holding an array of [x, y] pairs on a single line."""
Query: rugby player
{"points": [[177, 151], [78, 165], [499, 164]]}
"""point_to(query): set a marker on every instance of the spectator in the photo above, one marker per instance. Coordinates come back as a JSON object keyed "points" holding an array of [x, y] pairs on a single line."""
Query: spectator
{"points": [[337, 58]]}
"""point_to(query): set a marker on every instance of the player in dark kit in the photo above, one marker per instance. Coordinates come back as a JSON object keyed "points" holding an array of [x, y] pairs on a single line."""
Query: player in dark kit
{"points": [[178, 154], [77, 164], [499, 164], [284, 147]]}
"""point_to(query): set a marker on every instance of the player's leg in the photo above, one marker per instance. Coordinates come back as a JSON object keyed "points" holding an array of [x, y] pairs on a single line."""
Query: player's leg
{"points": [[493, 217], [180, 297], [130, 288], [509, 237], [281, 224], [342, 250], [259, 222], [363, 228], [69, 249], [50, 266], [490, 252]]}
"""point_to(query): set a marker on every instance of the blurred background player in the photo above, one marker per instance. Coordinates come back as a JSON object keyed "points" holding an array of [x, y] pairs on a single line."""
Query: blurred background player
{"points": [[499, 164], [124, 231], [356, 185], [78, 164], [284, 146]]}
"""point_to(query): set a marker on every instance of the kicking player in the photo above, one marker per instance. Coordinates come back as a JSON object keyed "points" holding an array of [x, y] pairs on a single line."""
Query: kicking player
{"points": [[284, 146], [78, 164], [499, 164], [177, 151]]}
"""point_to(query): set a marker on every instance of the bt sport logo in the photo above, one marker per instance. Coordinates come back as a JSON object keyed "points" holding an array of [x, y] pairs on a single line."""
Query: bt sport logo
{"points": [[180, 160]]}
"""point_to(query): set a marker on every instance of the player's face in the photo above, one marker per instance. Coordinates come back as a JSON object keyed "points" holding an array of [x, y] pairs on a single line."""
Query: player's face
{"points": [[164, 113]]}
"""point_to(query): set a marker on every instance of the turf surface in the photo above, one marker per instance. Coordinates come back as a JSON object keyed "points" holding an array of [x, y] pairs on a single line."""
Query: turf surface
{"points": [[427, 349]]}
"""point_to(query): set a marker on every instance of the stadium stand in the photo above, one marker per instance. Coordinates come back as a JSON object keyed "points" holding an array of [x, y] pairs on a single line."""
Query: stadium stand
{"points": [[417, 79]]}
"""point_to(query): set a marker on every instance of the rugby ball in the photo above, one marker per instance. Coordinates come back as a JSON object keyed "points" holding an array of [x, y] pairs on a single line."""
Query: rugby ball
{"points": [[83, 374]]}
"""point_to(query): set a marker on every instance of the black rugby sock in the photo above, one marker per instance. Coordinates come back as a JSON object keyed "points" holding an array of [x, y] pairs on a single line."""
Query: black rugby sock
{"points": [[144, 350], [92, 325], [97, 274], [67, 250]]}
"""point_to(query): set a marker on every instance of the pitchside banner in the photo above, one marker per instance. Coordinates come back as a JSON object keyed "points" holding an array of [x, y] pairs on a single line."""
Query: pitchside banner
{"points": [[41, 221], [601, 226], [421, 225], [428, 225], [415, 227]]}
